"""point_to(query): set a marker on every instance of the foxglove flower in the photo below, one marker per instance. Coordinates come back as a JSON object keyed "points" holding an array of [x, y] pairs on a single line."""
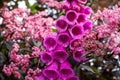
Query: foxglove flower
{"points": [[63, 39], [82, 9], [87, 10], [74, 44], [73, 78], [61, 24], [78, 55], [82, 1], [51, 71], [66, 70], [60, 55], [50, 43], [71, 16], [81, 18], [46, 57], [42, 77], [87, 26], [77, 31]]}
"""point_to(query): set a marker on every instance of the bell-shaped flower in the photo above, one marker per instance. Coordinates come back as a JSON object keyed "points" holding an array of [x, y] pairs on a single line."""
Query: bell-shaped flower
{"points": [[87, 26], [87, 11], [60, 54], [66, 70], [73, 78], [71, 16], [42, 77], [82, 1], [78, 55], [77, 31], [82, 9], [61, 24], [51, 71], [81, 18], [46, 57], [75, 44], [50, 43], [63, 39]]}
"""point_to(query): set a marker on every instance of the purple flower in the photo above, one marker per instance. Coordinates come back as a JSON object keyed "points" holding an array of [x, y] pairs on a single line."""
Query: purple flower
{"points": [[60, 55], [61, 24], [82, 8], [66, 70], [46, 57], [87, 10], [87, 26], [82, 1], [50, 43], [81, 18], [74, 44], [76, 31], [71, 16], [73, 78], [63, 39], [78, 55], [42, 77], [51, 71]]}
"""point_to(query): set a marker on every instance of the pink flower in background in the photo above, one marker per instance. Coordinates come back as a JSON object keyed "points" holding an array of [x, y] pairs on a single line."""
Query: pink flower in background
{"points": [[52, 3], [20, 24]]}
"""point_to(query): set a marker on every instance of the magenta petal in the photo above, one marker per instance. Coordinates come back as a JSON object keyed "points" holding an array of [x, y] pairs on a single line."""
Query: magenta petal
{"points": [[66, 70], [87, 26], [61, 24], [60, 55], [71, 16], [82, 1], [74, 44], [76, 31], [87, 10], [73, 78], [42, 77], [78, 55], [66, 5], [50, 43], [81, 18], [63, 39], [51, 71], [46, 57], [82, 8]]}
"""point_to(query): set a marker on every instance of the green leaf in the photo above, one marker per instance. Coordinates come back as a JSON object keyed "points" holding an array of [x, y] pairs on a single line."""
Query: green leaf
{"points": [[54, 30]]}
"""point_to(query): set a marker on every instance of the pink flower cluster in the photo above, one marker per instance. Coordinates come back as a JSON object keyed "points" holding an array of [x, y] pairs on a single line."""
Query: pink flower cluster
{"points": [[52, 3], [38, 26], [71, 28], [20, 24], [22, 62], [107, 27]]}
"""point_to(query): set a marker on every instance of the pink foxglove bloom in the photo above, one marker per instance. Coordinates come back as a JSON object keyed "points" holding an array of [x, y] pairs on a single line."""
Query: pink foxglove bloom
{"points": [[66, 70], [82, 1], [60, 55], [87, 26], [42, 77], [77, 31], [81, 18], [78, 55], [46, 57], [51, 71], [61, 24], [71, 16], [73, 78], [63, 39], [50, 43], [75, 44], [87, 11]]}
